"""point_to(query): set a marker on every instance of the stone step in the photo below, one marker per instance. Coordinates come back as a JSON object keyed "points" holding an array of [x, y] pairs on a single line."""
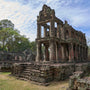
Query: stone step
{"points": [[26, 71], [24, 74], [23, 79], [32, 70], [26, 77], [37, 83]]}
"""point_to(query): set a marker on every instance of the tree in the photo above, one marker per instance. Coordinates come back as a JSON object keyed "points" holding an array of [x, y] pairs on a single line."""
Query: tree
{"points": [[33, 46], [11, 40]]}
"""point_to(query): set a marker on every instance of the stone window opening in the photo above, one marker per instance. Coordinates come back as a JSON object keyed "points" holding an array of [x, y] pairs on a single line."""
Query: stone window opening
{"points": [[42, 31]]}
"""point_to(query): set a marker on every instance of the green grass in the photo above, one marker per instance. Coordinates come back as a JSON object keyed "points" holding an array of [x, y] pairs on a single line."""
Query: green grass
{"points": [[11, 83]]}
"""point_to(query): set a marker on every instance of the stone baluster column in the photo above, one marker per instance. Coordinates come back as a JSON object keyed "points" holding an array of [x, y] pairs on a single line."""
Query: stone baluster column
{"points": [[62, 32], [38, 57], [38, 31], [60, 52], [82, 54], [52, 51], [58, 30], [76, 53], [63, 53], [71, 53], [52, 26], [57, 52], [46, 53], [45, 31], [86, 53], [79, 53]]}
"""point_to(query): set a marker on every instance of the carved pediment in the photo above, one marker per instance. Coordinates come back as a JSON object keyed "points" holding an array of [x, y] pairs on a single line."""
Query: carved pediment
{"points": [[46, 13]]}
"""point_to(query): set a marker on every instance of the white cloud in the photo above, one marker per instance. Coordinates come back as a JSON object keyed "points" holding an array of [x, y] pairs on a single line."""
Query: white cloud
{"points": [[24, 15]]}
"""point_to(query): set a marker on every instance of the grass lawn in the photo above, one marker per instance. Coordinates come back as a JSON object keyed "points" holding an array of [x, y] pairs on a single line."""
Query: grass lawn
{"points": [[11, 83]]}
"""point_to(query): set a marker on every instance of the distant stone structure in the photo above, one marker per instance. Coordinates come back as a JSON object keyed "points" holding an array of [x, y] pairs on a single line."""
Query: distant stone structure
{"points": [[7, 59], [63, 47], [6, 24]]}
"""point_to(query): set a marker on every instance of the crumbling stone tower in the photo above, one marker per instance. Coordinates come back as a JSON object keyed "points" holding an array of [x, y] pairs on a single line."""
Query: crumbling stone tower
{"points": [[61, 41], [51, 39]]}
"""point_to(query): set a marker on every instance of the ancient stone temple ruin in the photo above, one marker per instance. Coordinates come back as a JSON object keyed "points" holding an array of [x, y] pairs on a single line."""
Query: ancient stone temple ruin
{"points": [[61, 41], [59, 48]]}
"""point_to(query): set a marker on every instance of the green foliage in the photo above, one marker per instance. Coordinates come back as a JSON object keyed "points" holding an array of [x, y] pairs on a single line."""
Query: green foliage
{"points": [[33, 46], [11, 40]]}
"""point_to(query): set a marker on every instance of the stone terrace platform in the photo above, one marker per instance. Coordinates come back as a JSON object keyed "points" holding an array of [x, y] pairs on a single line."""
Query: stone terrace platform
{"points": [[45, 73]]}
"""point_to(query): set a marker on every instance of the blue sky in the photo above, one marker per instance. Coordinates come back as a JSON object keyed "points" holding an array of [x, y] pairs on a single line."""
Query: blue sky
{"points": [[23, 13]]}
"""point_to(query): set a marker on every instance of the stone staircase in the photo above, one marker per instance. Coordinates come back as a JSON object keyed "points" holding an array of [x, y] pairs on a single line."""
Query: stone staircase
{"points": [[35, 73], [31, 72]]}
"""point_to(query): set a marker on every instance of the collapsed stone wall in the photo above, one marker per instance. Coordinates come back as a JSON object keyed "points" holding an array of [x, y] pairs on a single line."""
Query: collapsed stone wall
{"points": [[7, 59], [79, 81]]}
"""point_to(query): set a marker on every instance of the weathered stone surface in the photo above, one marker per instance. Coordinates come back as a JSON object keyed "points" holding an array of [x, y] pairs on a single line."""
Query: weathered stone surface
{"points": [[44, 73], [79, 81], [7, 59], [61, 41]]}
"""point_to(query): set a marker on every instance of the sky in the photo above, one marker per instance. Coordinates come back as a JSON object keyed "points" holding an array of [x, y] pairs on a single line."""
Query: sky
{"points": [[23, 13]]}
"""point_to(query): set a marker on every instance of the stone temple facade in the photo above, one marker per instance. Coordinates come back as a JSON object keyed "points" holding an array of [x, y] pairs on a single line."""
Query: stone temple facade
{"points": [[63, 47], [61, 42]]}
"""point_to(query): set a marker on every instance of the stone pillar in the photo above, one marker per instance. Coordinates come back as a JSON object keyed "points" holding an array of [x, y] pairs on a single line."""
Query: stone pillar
{"points": [[67, 52], [71, 53], [63, 53], [52, 51], [57, 52], [86, 53], [52, 26], [45, 31], [38, 31], [62, 32], [46, 53], [79, 54], [76, 53], [38, 57], [58, 30], [60, 52], [82, 55]]}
